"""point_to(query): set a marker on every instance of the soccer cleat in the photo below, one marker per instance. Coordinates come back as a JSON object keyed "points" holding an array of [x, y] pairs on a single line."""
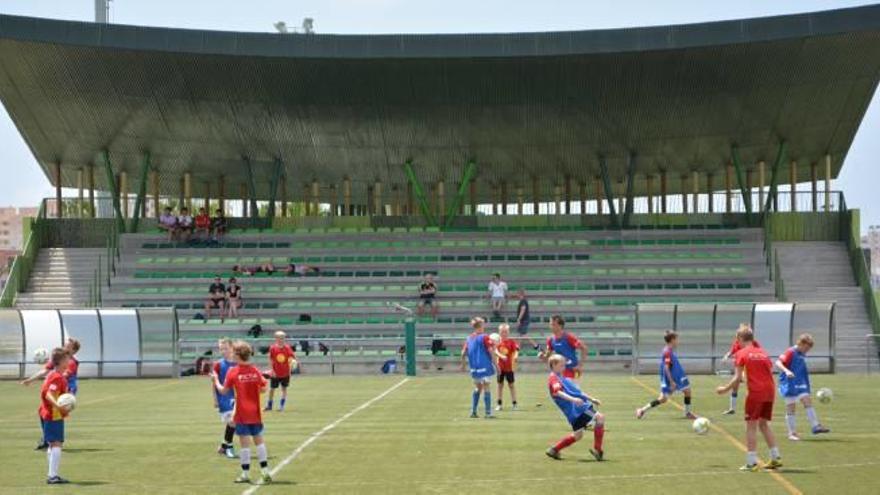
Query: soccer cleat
{"points": [[42, 446], [752, 468], [774, 464], [265, 477], [553, 453], [474, 415], [243, 478], [281, 409], [489, 415], [498, 408], [514, 407], [221, 449], [267, 408], [729, 412], [640, 413], [820, 429], [794, 437], [599, 455], [690, 415], [230, 453], [56, 480]]}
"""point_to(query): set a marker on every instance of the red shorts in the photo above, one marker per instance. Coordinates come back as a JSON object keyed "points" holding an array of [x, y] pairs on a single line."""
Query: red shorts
{"points": [[759, 408], [571, 373]]}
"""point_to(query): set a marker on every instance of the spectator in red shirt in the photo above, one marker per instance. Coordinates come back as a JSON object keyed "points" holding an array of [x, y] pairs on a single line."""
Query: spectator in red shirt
{"points": [[248, 383], [507, 351], [281, 359], [754, 363], [203, 225]]}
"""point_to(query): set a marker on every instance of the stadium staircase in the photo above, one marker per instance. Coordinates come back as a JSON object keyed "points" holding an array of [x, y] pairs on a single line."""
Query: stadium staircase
{"points": [[821, 271], [60, 279], [593, 278]]}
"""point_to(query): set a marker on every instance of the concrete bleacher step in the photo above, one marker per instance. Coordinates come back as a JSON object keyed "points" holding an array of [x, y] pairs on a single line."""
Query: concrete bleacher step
{"points": [[61, 278]]}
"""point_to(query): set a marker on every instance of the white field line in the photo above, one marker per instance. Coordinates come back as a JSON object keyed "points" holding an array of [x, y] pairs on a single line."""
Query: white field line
{"points": [[316, 435]]}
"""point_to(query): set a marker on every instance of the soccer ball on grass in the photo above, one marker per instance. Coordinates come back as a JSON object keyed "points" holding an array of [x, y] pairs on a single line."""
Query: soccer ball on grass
{"points": [[824, 395], [701, 426]]}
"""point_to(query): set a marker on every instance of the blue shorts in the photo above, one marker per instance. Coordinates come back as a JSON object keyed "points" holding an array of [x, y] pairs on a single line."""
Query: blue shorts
{"points": [[53, 431], [72, 385], [253, 430], [681, 384]]}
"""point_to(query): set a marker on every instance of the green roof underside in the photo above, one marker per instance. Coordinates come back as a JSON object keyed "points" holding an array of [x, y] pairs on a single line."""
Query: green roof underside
{"points": [[519, 105]]}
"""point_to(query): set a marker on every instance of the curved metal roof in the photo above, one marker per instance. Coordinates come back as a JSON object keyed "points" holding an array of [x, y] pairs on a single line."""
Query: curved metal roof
{"points": [[519, 104]]}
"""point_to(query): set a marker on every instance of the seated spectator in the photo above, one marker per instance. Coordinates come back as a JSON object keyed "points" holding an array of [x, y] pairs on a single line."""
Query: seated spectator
{"points": [[301, 270], [246, 270], [203, 225], [168, 223], [233, 297], [216, 297], [184, 225], [427, 293], [497, 294], [218, 223]]}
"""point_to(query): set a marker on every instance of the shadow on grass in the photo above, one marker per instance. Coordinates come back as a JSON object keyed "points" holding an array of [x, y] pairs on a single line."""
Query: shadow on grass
{"points": [[789, 470], [88, 483], [80, 451], [828, 440]]}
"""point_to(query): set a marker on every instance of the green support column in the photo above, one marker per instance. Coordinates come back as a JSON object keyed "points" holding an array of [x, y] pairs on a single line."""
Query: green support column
{"points": [[419, 193], [111, 186], [273, 186], [747, 197], [142, 192], [609, 192], [630, 180], [252, 188], [469, 171], [409, 325], [774, 176]]}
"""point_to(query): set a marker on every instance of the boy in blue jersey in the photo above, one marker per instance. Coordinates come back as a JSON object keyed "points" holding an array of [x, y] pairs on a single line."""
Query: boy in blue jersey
{"points": [[672, 378], [794, 385], [478, 353], [225, 403], [577, 407], [566, 345]]}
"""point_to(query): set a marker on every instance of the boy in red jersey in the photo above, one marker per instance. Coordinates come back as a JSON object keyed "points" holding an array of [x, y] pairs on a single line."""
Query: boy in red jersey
{"points": [[52, 414], [280, 358], [754, 363], [735, 347], [72, 347], [507, 351], [248, 383]]}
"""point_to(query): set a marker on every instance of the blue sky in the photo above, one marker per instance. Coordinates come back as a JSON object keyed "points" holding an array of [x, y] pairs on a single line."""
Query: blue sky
{"points": [[427, 16]]}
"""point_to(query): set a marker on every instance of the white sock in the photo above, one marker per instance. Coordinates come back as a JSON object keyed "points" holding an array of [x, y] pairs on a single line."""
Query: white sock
{"points": [[245, 456], [732, 401], [49, 458], [54, 460], [791, 423], [811, 415], [774, 453], [751, 458], [262, 455]]}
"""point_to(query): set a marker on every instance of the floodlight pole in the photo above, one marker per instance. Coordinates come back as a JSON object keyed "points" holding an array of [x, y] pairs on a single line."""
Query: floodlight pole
{"points": [[609, 194], [142, 191], [469, 171], [747, 197], [418, 192], [630, 176], [114, 193]]}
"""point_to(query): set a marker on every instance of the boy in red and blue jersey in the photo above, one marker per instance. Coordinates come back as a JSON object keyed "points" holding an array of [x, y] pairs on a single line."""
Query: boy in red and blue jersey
{"points": [[478, 353], [225, 403], [248, 383], [566, 345], [577, 407], [794, 385], [672, 378], [70, 373], [52, 414]]}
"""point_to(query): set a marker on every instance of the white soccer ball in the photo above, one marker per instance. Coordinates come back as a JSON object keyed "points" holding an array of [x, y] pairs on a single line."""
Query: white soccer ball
{"points": [[701, 426], [67, 401], [824, 395], [41, 356], [495, 338]]}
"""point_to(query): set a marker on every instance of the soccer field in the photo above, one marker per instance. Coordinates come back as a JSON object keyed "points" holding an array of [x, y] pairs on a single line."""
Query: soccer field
{"points": [[160, 436]]}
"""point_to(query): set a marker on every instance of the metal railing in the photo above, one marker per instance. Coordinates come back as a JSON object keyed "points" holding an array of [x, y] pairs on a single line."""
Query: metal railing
{"points": [[851, 236]]}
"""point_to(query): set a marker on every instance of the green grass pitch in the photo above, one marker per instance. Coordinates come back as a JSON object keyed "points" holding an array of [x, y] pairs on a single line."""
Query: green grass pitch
{"points": [[159, 436]]}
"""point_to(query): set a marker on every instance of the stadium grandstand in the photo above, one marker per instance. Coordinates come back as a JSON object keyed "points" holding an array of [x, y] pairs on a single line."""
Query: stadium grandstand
{"points": [[597, 171]]}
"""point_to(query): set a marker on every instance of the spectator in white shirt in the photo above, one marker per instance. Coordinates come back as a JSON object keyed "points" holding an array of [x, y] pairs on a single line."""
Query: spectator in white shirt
{"points": [[497, 294], [168, 223], [184, 224]]}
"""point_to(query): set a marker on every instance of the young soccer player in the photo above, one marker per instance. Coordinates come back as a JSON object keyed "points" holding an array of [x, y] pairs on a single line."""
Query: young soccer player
{"points": [[672, 378], [577, 407], [735, 347], [280, 357], [753, 365], [507, 351], [246, 381], [72, 347], [225, 403], [52, 414], [794, 385], [566, 345], [479, 354]]}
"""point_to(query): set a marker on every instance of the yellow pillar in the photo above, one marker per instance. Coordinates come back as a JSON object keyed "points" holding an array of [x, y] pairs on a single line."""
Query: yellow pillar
{"points": [[557, 199], [685, 205], [92, 190], [123, 192], [695, 183], [378, 207], [792, 179], [208, 196], [520, 197], [441, 199], [536, 195], [649, 192], [346, 196], [316, 197], [187, 190], [663, 191], [814, 190], [79, 192], [761, 186]]}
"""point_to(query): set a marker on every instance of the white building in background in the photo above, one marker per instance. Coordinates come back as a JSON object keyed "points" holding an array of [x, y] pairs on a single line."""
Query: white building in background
{"points": [[10, 226]]}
